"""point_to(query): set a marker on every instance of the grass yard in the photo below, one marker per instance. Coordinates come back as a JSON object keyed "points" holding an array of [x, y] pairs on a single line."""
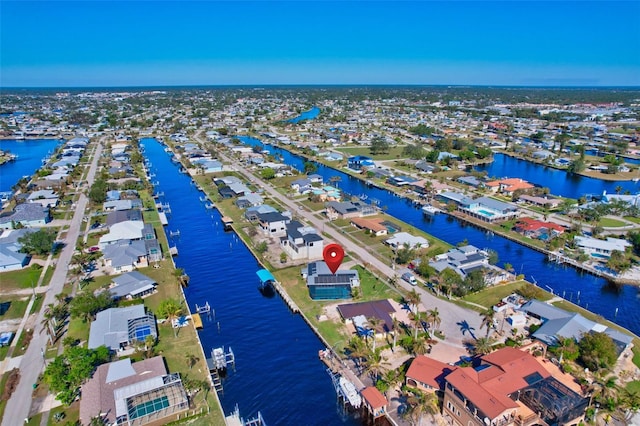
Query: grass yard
{"points": [[394, 152], [608, 222], [17, 306], [632, 219], [24, 278], [71, 414], [492, 295]]}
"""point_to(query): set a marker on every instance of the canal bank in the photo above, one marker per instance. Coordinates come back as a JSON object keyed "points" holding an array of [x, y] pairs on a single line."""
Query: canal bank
{"points": [[617, 303], [277, 371]]}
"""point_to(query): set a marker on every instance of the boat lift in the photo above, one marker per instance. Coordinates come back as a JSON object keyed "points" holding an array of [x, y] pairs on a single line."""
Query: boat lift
{"points": [[219, 362]]}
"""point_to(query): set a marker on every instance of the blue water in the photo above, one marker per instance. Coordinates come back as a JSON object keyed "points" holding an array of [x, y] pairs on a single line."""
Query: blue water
{"points": [[277, 366], [584, 289], [559, 182], [30, 154], [307, 115]]}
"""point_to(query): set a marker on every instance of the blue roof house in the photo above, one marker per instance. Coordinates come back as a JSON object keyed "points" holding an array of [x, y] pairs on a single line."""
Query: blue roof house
{"points": [[359, 162]]}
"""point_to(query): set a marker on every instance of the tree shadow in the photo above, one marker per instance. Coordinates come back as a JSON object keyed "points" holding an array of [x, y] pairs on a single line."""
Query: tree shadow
{"points": [[466, 328]]}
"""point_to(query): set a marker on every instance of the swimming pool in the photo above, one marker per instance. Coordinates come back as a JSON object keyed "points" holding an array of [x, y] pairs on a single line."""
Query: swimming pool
{"points": [[485, 213], [148, 407]]}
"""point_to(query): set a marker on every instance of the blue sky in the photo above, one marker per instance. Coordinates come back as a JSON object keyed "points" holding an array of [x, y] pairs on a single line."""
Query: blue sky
{"points": [[103, 43]]}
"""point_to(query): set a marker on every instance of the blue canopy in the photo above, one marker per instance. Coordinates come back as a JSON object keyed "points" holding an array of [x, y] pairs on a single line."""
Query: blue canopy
{"points": [[265, 276]]}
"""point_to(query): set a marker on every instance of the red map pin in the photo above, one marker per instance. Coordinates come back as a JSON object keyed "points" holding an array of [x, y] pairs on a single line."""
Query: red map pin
{"points": [[333, 255]]}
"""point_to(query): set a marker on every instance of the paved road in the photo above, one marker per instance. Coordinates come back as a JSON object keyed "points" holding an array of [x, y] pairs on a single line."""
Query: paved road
{"points": [[32, 363], [451, 315]]}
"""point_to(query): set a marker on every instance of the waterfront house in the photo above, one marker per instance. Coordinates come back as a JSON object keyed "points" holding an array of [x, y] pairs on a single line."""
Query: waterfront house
{"points": [[508, 186], [359, 162], [120, 328], [126, 230], [375, 226], [471, 181], [27, 214], [359, 313], [427, 374], [11, 259], [302, 186], [483, 208], [315, 178], [273, 224], [401, 180], [546, 202], [131, 285], [302, 242], [208, 165], [118, 216], [511, 387], [462, 260], [600, 248], [115, 205], [125, 392], [251, 214], [125, 255], [325, 285], [538, 229], [249, 200], [348, 209], [404, 239], [425, 167]]}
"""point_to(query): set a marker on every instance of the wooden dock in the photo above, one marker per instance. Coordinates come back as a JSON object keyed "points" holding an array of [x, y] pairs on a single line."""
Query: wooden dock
{"points": [[285, 297], [197, 321]]}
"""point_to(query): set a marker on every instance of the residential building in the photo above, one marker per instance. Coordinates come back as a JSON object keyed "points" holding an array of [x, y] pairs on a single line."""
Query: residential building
{"points": [[359, 313], [403, 239], [375, 226], [509, 186], [273, 224], [346, 210], [325, 285], [122, 231], [126, 255], [251, 214], [45, 197], [601, 248], [427, 374], [127, 393], [360, 162], [511, 387], [131, 285], [120, 328], [302, 242], [463, 260], [29, 215], [11, 259], [538, 229]]}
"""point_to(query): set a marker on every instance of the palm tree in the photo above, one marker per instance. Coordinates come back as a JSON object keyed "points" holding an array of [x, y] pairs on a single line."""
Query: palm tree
{"points": [[374, 323], [357, 350], [434, 317], [375, 365], [171, 309], [396, 330], [421, 403], [191, 360], [482, 346], [413, 299], [487, 320], [417, 322]]}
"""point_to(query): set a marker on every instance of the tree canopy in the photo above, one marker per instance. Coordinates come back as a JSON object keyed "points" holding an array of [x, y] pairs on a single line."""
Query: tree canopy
{"points": [[597, 351], [39, 242], [379, 145], [267, 173], [86, 304]]}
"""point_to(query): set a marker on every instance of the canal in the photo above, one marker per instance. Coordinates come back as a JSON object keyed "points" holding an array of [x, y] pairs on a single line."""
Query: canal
{"points": [[30, 154], [559, 182], [620, 304], [277, 367]]}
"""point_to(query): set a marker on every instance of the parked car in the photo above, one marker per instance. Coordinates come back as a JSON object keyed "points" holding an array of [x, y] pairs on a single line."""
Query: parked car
{"points": [[408, 277]]}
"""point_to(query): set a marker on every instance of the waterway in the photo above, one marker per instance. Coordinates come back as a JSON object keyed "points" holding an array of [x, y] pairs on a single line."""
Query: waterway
{"points": [[559, 182], [307, 115], [620, 304], [30, 154], [277, 367]]}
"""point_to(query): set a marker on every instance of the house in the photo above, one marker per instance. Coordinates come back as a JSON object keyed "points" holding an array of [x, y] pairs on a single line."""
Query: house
{"points": [[374, 226], [116, 205], [509, 186], [483, 208], [315, 178], [123, 216], [538, 229], [471, 181], [511, 387], [401, 180], [425, 167], [251, 214], [126, 230], [11, 259], [402, 239], [546, 202], [302, 186], [119, 328], [302, 242], [208, 166], [558, 323], [45, 197], [249, 200], [273, 224], [359, 313], [29, 215], [126, 255], [601, 248], [427, 374], [324, 285], [131, 285], [463, 260], [380, 173], [359, 162], [133, 393], [346, 210]]}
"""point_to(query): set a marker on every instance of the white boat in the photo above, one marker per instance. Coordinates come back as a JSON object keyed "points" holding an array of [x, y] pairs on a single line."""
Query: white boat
{"points": [[349, 391], [429, 210]]}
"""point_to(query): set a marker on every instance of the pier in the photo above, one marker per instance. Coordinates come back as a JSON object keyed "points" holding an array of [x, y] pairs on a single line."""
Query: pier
{"points": [[227, 222], [219, 362], [266, 278]]}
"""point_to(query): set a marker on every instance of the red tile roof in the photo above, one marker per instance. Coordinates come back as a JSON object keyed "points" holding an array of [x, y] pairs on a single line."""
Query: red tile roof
{"points": [[428, 370], [373, 397], [530, 224]]}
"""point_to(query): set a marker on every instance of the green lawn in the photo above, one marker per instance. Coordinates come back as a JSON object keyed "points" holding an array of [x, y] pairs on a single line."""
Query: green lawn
{"points": [[632, 219], [608, 222], [17, 307], [492, 295], [394, 152], [633, 386], [23, 278]]}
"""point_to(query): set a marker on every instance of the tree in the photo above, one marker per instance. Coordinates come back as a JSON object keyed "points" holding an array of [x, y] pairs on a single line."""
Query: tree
{"points": [[421, 130], [379, 145], [310, 167], [86, 304], [267, 173], [487, 320], [618, 261], [567, 348], [576, 166], [191, 360], [39, 242], [561, 139], [375, 365], [170, 309], [483, 345], [375, 324], [597, 351], [98, 191], [433, 317]]}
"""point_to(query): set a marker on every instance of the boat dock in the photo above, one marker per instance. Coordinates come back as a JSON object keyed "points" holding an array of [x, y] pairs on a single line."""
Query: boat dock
{"points": [[163, 218], [234, 419], [197, 321], [227, 222], [266, 278], [219, 362], [429, 210]]}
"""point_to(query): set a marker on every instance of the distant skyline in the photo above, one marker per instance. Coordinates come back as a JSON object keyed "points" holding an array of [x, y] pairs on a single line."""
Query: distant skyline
{"points": [[163, 43]]}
